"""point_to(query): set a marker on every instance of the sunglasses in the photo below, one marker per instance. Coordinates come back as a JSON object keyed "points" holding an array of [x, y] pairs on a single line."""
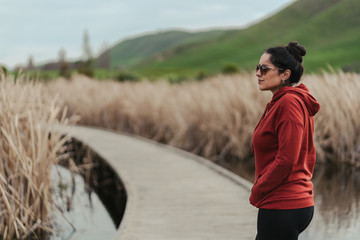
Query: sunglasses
{"points": [[264, 69]]}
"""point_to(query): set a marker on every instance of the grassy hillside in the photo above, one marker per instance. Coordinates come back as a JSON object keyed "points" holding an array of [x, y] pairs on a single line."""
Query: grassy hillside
{"points": [[329, 29], [134, 51]]}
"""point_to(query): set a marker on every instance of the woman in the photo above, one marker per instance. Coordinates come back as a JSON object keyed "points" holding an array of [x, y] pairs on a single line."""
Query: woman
{"points": [[283, 146]]}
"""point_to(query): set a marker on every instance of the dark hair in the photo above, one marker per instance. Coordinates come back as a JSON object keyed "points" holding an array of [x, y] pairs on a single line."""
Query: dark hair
{"points": [[289, 57]]}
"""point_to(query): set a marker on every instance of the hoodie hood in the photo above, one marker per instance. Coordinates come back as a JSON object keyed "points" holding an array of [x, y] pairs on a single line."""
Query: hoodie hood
{"points": [[301, 91]]}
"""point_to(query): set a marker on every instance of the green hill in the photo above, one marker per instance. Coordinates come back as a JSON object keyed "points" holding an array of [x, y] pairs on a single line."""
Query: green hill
{"points": [[134, 51], [329, 29]]}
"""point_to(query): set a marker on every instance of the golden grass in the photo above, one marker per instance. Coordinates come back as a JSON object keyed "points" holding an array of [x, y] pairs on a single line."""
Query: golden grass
{"points": [[338, 122], [214, 118], [28, 149]]}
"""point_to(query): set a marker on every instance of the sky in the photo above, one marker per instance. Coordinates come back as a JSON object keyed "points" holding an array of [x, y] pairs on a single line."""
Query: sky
{"points": [[40, 28]]}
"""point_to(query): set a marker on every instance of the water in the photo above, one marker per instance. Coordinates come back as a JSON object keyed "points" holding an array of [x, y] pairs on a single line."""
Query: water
{"points": [[337, 201], [82, 216], [337, 205]]}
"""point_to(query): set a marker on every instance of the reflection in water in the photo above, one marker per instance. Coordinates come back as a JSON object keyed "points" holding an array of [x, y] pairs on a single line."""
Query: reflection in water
{"points": [[80, 215], [337, 201], [338, 194]]}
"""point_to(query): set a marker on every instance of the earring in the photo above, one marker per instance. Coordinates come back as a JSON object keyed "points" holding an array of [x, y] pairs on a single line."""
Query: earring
{"points": [[282, 82]]}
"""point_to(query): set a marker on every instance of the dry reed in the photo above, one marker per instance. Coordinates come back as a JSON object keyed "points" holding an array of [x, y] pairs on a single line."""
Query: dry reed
{"points": [[29, 149], [214, 118], [338, 122]]}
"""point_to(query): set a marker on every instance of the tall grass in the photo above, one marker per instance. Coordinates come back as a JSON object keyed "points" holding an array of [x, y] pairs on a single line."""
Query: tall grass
{"points": [[29, 149], [215, 118], [338, 122]]}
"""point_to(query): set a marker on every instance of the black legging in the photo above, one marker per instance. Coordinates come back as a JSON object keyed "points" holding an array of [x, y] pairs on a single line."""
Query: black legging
{"points": [[283, 224]]}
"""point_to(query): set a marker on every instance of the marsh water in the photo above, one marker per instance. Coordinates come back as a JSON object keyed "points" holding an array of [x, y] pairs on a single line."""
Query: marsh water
{"points": [[80, 215], [337, 201], [337, 204], [337, 207]]}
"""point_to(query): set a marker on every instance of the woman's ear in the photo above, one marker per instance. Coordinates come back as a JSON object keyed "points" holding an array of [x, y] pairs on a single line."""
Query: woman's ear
{"points": [[286, 75]]}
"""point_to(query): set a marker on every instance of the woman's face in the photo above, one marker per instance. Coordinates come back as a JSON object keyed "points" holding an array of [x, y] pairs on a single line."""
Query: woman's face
{"points": [[271, 80]]}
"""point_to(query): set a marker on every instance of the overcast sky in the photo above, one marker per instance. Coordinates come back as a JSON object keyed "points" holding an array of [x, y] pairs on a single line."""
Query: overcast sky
{"points": [[41, 28]]}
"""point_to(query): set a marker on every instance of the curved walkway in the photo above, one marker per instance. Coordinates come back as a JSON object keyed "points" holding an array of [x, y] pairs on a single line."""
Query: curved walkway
{"points": [[172, 194]]}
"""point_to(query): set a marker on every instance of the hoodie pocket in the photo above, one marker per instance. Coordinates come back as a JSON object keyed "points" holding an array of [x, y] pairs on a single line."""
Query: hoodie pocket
{"points": [[255, 191]]}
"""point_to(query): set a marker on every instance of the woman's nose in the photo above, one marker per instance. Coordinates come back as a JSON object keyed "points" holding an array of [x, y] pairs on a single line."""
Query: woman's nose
{"points": [[258, 74]]}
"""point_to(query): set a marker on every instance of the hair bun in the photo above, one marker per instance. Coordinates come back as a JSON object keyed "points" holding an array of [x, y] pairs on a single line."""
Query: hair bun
{"points": [[296, 50]]}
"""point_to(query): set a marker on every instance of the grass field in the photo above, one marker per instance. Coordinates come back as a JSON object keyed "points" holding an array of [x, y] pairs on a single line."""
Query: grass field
{"points": [[133, 51]]}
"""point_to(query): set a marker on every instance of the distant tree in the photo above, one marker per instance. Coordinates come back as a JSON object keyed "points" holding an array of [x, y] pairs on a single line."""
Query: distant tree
{"points": [[201, 75], [87, 52], [30, 65], [64, 70], [86, 66], [230, 68], [62, 55]]}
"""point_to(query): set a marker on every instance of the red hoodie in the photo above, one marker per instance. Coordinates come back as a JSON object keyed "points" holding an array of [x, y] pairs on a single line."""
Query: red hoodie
{"points": [[284, 151]]}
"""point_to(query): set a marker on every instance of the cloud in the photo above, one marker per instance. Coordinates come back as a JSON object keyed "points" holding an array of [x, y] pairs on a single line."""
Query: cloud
{"points": [[214, 8], [42, 27]]}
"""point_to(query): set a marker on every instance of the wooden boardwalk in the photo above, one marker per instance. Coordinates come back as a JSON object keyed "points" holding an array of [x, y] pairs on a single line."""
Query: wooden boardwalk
{"points": [[172, 194]]}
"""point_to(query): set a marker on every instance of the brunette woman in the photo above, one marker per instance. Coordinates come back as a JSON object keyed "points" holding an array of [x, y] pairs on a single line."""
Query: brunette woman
{"points": [[283, 146]]}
